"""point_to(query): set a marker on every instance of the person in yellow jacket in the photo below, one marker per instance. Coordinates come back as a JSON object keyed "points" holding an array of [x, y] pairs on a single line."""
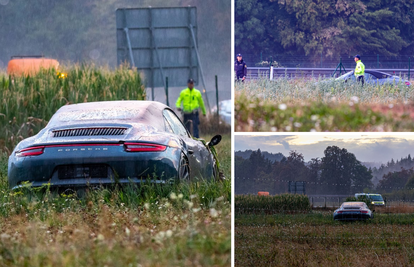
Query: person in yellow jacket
{"points": [[191, 100], [359, 70]]}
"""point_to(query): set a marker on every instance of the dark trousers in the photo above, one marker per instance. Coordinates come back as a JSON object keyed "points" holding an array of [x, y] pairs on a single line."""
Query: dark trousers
{"points": [[360, 79], [196, 121], [239, 78]]}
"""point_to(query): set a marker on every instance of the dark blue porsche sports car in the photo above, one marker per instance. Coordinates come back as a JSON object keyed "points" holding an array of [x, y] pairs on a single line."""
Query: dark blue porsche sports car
{"points": [[110, 142], [374, 77]]}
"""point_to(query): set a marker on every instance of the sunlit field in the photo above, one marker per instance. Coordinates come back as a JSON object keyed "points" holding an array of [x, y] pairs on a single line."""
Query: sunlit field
{"points": [[318, 105], [182, 224], [277, 237]]}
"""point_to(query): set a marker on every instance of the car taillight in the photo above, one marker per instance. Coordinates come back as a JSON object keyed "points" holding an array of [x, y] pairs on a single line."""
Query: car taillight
{"points": [[364, 211], [340, 211], [30, 151], [407, 83], [144, 147]]}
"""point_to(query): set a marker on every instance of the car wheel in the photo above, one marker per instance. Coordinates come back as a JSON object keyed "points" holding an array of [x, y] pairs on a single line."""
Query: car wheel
{"points": [[183, 169]]}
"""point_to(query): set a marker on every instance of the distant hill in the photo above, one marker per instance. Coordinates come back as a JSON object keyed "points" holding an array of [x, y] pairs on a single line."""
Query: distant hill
{"points": [[270, 156], [391, 166]]}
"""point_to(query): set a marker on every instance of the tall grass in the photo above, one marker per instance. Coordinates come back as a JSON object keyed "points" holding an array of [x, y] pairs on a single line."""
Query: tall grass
{"points": [[322, 105], [285, 203], [299, 90], [182, 224], [29, 102]]}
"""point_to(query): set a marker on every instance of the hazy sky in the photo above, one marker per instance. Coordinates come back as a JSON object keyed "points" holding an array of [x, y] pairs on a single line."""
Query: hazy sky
{"points": [[372, 147]]}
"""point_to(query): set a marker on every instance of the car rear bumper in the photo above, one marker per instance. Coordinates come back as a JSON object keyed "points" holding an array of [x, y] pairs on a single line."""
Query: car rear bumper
{"points": [[351, 217], [121, 166], [94, 182]]}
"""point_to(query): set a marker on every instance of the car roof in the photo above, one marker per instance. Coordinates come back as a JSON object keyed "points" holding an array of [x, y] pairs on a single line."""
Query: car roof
{"points": [[378, 74], [131, 104], [135, 111]]}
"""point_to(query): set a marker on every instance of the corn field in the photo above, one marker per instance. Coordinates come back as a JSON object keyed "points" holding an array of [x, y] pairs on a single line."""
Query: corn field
{"points": [[285, 203], [29, 102]]}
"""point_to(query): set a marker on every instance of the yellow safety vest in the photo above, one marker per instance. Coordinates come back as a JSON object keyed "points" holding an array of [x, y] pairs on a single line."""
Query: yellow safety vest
{"points": [[191, 100], [359, 69]]}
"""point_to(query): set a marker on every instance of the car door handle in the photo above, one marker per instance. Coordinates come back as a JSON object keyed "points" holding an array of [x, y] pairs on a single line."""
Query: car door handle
{"points": [[190, 151]]}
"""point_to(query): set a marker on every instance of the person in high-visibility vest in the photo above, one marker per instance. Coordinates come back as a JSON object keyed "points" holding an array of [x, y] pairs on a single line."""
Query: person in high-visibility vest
{"points": [[359, 70], [191, 100]]}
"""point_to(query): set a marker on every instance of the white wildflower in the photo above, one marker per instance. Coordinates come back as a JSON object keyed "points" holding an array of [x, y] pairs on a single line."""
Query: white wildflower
{"points": [[196, 210], [213, 212], [314, 117], [189, 204], [354, 99]]}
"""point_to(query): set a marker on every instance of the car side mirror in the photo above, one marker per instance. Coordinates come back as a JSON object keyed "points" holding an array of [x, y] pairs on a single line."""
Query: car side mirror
{"points": [[214, 141]]}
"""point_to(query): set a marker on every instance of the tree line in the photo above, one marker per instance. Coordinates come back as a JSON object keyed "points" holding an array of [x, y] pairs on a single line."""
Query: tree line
{"points": [[329, 27], [338, 172], [391, 166]]}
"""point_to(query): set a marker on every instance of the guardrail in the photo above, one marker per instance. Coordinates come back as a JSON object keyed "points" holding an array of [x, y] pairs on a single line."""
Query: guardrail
{"points": [[309, 73], [325, 201]]}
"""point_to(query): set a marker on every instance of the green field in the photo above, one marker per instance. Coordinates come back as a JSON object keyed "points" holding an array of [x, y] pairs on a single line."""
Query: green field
{"points": [[314, 239], [310, 105], [185, 224]]}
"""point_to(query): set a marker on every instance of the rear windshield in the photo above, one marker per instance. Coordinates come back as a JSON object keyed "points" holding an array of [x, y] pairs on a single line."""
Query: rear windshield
{"points": [[376, 198], [346, 74], [352, 207]]}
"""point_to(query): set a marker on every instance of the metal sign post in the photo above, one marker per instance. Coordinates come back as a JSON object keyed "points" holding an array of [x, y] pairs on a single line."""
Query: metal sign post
{"points": [[340, 66], [158, 42]]}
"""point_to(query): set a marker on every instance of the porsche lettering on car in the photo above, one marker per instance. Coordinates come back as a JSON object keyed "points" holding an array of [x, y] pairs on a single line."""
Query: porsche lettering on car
{"points": [[112, 141]]}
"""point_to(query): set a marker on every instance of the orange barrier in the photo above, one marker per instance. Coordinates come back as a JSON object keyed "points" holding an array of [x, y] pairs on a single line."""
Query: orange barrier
{"points": [[261, 193], [30, 66]]}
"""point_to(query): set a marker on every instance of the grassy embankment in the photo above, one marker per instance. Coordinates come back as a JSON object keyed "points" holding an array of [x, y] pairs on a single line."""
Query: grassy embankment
{"points": [[308, 105], [185, 224]]}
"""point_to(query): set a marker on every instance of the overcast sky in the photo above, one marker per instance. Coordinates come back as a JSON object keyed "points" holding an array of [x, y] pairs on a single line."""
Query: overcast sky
{"points": [[372, 147]]}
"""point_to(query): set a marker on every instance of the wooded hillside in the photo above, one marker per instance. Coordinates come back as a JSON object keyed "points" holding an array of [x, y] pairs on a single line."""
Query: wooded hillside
{"points": [[328, 27]]}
